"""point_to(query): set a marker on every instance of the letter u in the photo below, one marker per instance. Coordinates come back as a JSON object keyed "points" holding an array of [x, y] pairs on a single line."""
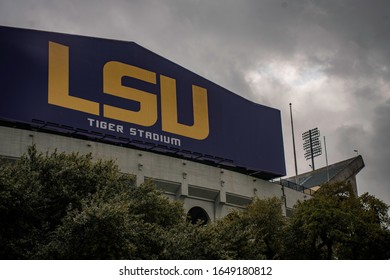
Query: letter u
{"points": [[200, 128]]}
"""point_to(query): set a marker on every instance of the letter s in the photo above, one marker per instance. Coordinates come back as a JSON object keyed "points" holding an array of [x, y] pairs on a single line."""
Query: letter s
{"points": [[113, 72], [133, 131]]}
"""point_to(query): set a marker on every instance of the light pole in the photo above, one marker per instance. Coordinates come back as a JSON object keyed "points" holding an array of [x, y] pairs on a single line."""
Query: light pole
{"points": [[295, 153]]}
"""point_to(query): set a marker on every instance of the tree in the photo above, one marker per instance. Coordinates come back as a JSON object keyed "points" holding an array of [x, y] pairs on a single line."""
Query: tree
{"points": [[70, 207], [336, 224], [253, 233]]}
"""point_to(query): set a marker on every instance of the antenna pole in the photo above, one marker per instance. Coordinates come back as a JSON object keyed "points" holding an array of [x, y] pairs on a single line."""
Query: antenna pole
{"points": [[326, 158], [295, 153]]}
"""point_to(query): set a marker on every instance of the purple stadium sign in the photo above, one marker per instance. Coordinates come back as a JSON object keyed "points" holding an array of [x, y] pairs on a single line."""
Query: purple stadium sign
{"points": [[122, 93]]}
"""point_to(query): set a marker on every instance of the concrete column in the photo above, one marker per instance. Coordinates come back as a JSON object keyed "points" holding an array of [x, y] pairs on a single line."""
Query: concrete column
{"points": [[140, 168]]}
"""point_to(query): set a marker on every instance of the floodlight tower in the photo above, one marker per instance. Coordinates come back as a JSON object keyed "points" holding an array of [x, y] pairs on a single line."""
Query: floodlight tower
{"points": [[312, 145]]}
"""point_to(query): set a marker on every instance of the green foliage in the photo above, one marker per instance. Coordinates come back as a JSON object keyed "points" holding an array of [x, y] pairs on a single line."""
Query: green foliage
{"points": [[253, 233], [336, 224], [68, 206], [187, 241]]}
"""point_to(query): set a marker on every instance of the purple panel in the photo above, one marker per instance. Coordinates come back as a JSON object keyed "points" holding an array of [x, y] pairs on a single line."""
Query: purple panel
{"points": [[241, 133]]}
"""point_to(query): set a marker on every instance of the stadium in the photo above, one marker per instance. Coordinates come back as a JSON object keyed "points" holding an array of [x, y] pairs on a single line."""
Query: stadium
{"points": [[200, 143]]}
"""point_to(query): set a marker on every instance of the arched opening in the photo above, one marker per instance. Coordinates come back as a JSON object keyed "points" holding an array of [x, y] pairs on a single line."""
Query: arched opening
{"points": [[198, 215]]}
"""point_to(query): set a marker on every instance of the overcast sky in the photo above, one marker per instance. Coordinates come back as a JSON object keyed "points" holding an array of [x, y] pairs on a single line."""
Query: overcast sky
{"points": [[330, 59]]}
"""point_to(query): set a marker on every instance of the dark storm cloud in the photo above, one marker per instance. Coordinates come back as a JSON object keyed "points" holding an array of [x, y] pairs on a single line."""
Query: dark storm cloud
{"points": [[361, 29], [380, 144], [330, 58], [374, 146]]}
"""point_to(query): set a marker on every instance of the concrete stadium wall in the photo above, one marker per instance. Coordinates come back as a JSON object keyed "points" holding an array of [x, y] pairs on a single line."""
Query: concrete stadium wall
{"points": [[216, 190]]}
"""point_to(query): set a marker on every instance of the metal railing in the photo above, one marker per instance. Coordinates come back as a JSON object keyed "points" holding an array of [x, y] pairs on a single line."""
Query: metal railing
{"points": [[296, 187]]}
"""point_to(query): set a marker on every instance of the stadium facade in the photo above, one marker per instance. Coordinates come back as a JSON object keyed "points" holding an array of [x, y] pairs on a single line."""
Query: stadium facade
{"points": [[205, 190], [199, 142]]}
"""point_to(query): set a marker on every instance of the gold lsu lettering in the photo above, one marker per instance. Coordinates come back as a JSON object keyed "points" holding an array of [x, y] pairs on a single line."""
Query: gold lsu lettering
{"points": [[113, 72]]}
